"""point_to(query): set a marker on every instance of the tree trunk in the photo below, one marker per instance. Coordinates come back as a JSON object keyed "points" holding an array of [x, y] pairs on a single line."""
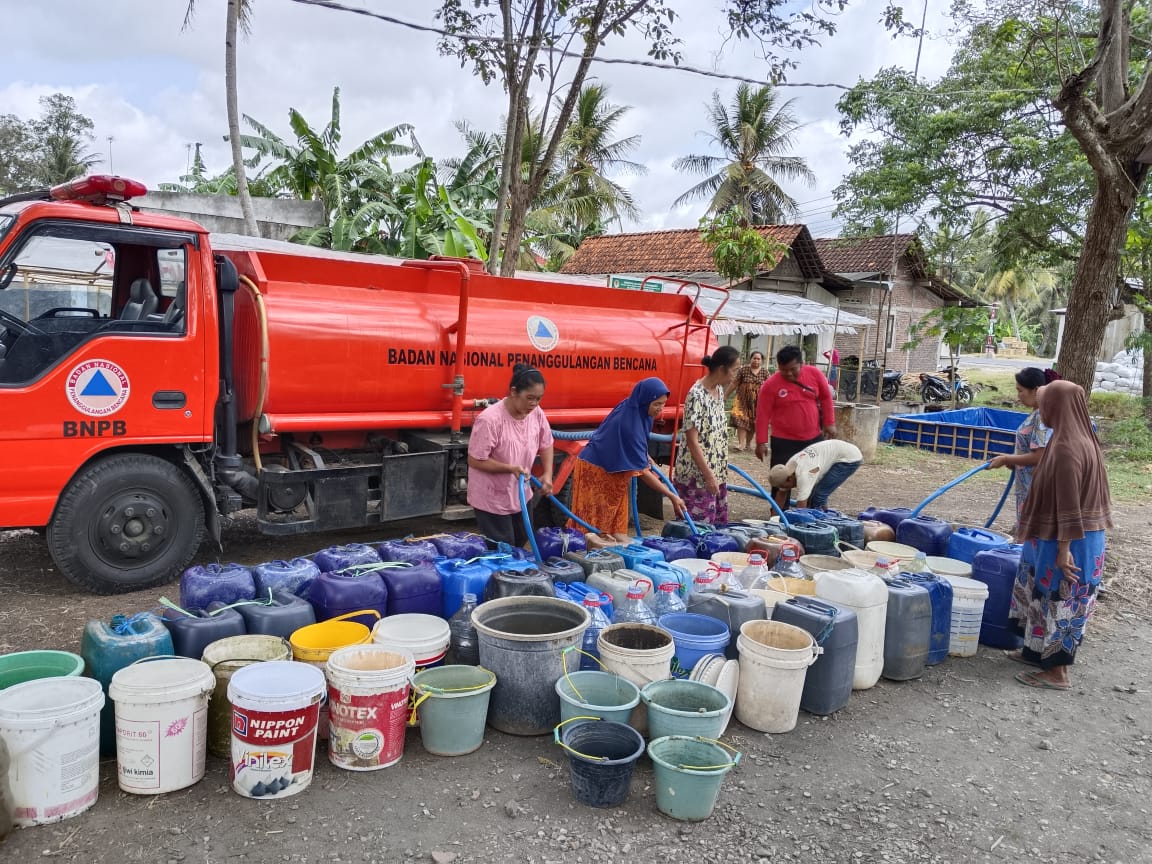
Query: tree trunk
{"points": [[1093, 292], [1147, 377], [517, 213], [230, 37]]}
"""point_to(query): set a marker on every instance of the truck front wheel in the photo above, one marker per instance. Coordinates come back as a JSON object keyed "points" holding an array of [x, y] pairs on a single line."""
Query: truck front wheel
{"points": [[126, 522]]}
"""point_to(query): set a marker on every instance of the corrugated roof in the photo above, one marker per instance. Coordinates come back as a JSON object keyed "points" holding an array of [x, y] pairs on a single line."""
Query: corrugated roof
{"points": [[677, 251], [857, 257]]}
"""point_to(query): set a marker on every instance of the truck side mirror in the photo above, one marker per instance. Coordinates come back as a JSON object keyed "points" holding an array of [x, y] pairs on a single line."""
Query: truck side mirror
{"points": [[227, 277]]}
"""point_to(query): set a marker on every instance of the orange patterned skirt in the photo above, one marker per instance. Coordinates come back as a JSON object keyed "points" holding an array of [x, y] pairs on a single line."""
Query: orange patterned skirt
{"points": [[600, 497]]}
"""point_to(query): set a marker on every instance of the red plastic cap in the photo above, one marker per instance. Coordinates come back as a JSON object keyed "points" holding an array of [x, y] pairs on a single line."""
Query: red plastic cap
{"points": [[99, 188]]}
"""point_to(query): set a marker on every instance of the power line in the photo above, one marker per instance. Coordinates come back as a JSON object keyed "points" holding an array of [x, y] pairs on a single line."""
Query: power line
{"points": [[616, 61]]}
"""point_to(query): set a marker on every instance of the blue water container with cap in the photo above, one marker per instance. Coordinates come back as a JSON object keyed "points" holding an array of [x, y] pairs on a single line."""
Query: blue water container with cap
{"points": [[965, 543], [997, 568], [940, 594], [407, 551], [672, 548], [341, 557], [556, 542], [926, 533], [890, 516], [292, 576], [457, 578], [280, 614], [202, 585], [637, 553], [350, 590]]}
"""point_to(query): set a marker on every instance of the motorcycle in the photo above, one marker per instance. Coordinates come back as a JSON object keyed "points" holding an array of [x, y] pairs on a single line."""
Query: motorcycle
{"points": [[889, 388], [939, 388]]}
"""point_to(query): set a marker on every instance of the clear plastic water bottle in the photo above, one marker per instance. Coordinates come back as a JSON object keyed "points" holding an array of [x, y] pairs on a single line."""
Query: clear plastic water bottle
{"points": [[668, 600], [886, 567], [755, 570], [465, 645], [788, 564], [762, 582], [633, 610], [919, 564], [592, 634], [727, 579]]}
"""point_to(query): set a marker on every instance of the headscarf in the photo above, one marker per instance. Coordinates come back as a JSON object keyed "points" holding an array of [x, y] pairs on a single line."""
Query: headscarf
{"points": [[621, 442], [1069, 493]]}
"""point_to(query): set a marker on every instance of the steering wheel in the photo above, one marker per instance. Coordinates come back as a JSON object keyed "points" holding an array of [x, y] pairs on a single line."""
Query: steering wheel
{"points": [[12, 322]]}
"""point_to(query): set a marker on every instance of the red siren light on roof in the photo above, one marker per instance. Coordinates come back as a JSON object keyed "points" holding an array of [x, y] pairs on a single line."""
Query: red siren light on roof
{"points": [[98, 189]]}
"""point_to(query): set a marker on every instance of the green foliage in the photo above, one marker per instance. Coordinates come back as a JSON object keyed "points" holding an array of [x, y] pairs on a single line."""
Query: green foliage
{"points": [[1115, 406], [1131, 437], [47, 150], [755, 135], [739, 250], [957, 326]]}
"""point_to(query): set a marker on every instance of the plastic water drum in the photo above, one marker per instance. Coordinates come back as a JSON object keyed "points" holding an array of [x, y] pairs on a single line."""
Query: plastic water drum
{"points": [[672, 548], [817, 538], [867, 595], [926, 533], [965, 543], [968, 597], [940, 594], [51, 728], [161, 723], [890, 516], [997, 568]]}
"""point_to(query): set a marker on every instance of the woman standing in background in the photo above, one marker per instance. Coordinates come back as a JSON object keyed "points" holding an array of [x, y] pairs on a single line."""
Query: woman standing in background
{"points": [[747, 383]]}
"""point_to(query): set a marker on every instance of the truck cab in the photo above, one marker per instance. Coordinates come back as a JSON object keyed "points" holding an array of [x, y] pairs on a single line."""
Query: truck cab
{"points": [[107, 369]]}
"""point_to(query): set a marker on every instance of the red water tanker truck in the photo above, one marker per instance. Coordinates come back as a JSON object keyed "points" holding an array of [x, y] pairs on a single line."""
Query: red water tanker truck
{"points": [[155, 378]]}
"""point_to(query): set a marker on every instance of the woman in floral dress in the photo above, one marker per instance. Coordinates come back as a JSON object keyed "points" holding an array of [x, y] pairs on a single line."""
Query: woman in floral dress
{"points": [[701, 470], [1062, 527], [1031, 437], [747, 381]]}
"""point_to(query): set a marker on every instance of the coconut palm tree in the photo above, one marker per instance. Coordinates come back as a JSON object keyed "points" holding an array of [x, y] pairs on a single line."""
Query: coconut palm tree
{"points": [[239, 18], [754, 135]]}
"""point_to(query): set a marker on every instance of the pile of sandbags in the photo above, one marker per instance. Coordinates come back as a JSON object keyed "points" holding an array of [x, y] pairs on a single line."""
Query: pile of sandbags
{"points": [[1125, 374]]}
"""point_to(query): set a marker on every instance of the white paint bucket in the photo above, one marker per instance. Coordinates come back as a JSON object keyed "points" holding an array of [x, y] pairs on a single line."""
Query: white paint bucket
{"points": [[275, 710], [425, 637], [774, 661], [368, 688], [51, 727], [161, 723]]}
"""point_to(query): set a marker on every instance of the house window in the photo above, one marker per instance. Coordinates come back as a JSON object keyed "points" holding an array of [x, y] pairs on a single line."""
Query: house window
{"points": [[890, 339]]}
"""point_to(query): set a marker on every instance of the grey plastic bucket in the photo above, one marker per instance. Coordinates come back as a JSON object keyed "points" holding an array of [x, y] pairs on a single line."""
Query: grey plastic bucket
{"points": [[689, 708], [452, 704], [602, 755], [688, 773], [522, 640], [603, 695]]}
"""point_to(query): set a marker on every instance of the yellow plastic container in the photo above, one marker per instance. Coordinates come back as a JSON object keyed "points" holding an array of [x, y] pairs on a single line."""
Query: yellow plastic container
{"points": [[792, 586], [313, 644]]}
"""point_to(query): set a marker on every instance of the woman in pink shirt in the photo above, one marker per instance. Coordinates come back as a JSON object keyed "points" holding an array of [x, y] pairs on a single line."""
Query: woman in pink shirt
{"points": [[505, 441]]}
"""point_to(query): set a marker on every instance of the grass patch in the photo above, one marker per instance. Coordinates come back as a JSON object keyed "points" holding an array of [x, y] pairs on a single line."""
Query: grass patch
{"points": [[993, 387], [1115, 406]]}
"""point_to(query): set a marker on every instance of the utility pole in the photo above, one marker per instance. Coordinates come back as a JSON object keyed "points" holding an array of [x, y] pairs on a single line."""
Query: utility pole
{"points": [[110, 171]]}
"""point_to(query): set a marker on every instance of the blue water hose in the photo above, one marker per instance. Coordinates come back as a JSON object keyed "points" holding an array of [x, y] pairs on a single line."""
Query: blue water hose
{"points": [[947, 486], [691, 525], [1003, 498], [528, 522], [759, 491], [565, 510], [635, 508]]}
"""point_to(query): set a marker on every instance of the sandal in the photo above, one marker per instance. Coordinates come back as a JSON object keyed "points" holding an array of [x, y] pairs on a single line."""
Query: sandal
{"points": [[1019, 658], [1031, 679]]}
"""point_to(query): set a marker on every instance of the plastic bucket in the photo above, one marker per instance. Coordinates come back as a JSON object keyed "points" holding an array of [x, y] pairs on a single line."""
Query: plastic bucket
{"points": [[792, 586], [600, 695], [813, 564], [161, 723], [315, 643], [738, 560], [522, 640], [425, 637], [857, 557], [968, 598], [770, 597], [275, 708], [601, 756], [452, 706], [224, 657], [948, 566], [368, 689], [774, 661], [24, 666], [677, 707], [51, 728], [694, 635], [688, 775], [642, 653], [888, 549]]}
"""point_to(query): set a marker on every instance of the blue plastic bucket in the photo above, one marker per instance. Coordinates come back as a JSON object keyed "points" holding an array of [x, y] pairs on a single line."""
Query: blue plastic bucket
{"points": [[694, 635], [603, 695], [602, 754], [689, 708]]}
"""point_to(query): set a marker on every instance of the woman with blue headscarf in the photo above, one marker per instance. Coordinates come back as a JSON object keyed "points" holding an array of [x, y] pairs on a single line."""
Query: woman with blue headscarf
{"points": [[617, 452]]}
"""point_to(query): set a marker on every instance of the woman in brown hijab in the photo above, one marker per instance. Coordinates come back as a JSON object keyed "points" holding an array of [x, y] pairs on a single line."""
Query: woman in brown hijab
{"points": [[1062, 526]]}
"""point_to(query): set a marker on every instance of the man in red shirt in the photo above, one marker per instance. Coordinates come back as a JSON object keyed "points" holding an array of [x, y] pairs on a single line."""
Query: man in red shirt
{"points": [[795, 406]]}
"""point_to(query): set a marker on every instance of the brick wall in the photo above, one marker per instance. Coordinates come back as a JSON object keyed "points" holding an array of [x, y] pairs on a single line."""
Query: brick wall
{"points": [[910, 303]]}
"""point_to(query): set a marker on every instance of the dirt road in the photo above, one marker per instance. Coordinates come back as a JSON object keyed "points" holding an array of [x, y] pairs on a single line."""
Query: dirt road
{"points": [[961, 765]]}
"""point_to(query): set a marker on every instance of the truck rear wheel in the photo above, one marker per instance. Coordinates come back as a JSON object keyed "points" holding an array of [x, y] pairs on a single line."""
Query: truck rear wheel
{"points": [[126, 522]]}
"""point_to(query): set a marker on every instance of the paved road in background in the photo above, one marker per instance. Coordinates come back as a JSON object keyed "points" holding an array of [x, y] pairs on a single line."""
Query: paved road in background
{"points": [[979, 361]]}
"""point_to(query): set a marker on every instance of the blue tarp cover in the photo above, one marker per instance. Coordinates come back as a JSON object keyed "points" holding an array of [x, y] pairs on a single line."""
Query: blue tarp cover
{"points": [[977, 433]]}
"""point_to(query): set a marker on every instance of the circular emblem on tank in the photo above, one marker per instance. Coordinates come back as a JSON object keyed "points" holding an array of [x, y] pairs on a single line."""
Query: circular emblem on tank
{"points": [[97, 388], [543, 333]]}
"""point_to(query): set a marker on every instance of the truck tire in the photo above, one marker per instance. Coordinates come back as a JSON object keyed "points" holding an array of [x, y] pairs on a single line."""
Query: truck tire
{"points": [[126, 522]]}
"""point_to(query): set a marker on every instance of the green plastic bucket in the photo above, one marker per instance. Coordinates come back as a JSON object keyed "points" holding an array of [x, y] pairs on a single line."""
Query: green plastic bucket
{"points": [[603, 695], [26, 666], [225, 656], [679, 707], [451, 703], [688, 774]]}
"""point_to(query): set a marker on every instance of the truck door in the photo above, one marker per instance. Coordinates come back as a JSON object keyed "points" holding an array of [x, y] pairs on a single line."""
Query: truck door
{"points": [[102, 362]]}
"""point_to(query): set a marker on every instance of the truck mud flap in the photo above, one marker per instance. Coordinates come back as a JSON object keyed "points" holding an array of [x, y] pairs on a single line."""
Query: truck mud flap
{"points": [[211, 511], [403, 486]]}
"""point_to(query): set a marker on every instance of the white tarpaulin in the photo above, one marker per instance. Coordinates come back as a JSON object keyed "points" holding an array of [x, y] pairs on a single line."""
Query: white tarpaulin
{"points": [[766, 313]]}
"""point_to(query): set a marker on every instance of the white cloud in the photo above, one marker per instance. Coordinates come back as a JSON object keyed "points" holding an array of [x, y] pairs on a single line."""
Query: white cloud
{"points": [[156, 88]]}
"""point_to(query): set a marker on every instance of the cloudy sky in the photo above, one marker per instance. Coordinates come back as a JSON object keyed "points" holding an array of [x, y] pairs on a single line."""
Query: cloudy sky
{"points": [[154, 88]]}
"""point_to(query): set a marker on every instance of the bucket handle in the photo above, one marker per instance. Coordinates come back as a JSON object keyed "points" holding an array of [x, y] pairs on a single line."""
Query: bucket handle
{"points": [[556, 736], [841, 544], [356, 614], [564, 651], [735, 757], [426, 692], [35, 742], [640, 579]]}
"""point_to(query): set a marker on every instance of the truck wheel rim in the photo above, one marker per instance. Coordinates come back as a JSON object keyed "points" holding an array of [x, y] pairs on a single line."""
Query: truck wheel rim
{"points": [[132, 527]]}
